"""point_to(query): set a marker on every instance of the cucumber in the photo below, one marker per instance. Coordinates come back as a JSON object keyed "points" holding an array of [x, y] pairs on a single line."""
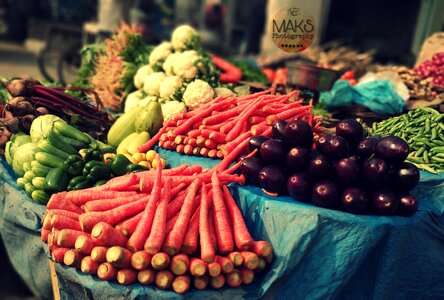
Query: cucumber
{"points": [[40, 196], [55, 139], [71, 132], [47, 147], [41, 170], [38, 182], [27, 166], [29, 175], [29, 188], [74, 143], [21, 182], [49, 160]]}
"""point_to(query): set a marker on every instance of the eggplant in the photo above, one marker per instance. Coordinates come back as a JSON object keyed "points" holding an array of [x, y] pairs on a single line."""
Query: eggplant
{"points": [[272, 179], [273, 151], [351, 130], [320, 167], [385, 202], [366, 148], [335, 148], [298, 133], [255, 142], [299, 186], [325, 194], [298, 159], [355, 200], [405, 177], [250, 167], [277, 130], [392, 149], [347, 170], [375, 171], [408, 205]]}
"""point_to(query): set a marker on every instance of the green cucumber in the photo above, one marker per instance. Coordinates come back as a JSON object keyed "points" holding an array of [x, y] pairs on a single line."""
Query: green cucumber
{"points": [[55, 139], [21, 182], [40, 196], [47, 147], [71, 132], [38, 182], [27, 166], [49, 160], [29, 188], [29, 175], [74, 143]]}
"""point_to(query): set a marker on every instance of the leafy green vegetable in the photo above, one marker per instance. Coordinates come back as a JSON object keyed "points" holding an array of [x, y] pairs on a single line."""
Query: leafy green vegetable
{"points": [[89, 54], [24, 153]]}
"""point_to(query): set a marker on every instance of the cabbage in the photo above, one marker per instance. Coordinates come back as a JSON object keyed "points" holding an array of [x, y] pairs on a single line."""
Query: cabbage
{"points": [[16, 141], [24, 153], [41, 126]]}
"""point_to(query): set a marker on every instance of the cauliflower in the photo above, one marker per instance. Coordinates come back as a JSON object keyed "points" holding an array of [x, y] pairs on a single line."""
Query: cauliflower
{"points": [[141, 74], [185, 64], [172, 108], [185, 37], [223, 91], [169, 87], [152, 83], [137, 98], [170, 61], [197, 93], [160, 53]]}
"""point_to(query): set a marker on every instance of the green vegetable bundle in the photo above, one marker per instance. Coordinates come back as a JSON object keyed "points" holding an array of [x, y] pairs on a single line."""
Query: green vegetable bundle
{"points": [[423, 129]]}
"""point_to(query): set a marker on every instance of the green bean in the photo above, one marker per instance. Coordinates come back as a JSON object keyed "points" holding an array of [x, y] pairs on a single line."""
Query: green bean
{"points": [[420, 151], [433, 136], [437, 149], [427, 125], [415, 160], [427, 168], [441, 125], [437, 159], [425, 156], [441, 155]]}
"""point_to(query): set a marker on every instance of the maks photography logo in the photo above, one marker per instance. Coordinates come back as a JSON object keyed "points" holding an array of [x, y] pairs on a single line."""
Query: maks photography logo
{"points": [[293, 29]]}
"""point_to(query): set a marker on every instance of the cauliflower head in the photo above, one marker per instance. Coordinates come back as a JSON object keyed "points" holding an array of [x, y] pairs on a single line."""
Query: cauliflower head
{"points": [[172, 108], [170, 86], [132, 100], [197, 93], [152, 83], [169, 63], [141, 74], [160, 53], [185, 64], [185, 37]]}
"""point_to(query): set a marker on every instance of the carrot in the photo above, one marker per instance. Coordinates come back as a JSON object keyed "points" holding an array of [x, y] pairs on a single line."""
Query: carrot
{"points": [[140, 260], [146, 276], [214, 269], [179, 264], [255, 120], [58, 253], [223, 165], [62, 212], [247, 276], [107, 204], [225, 263], [112, 216], [196, 151], [80, 197], [44, 235], [88, 266], [84, 244], [98, 254], [231, 73], [180, 148], [230, 146], [262, 248], [237, 165], [188, 149], [243, 118], [107, 271], [190, 240], [148, 145], [218, 281], [212, 228], [200, 282], [200, 141], [251, 260], [269, 258], [59, 201], [221, 117], [126, 276], [181, 284], [170, 224], [119, 257], [120, 183], [223, 231], [128, 226], [160, 261], [143, 228], [242, 237], [67, 237], [236, 258], [164, 279], [204, 152], [191, 142], [290, 113], [206, 247], [262, 265], [210, 144], [157, 235], [212, 153], [61, 222], [234, 279], [174, 239], [197, 267], [72, 258], [104, 234], [46, 221], [175, 190], [179, 139]]}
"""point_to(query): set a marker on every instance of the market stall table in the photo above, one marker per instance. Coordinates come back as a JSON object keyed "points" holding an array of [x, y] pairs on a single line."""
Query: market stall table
{"points": [[319, 253]]}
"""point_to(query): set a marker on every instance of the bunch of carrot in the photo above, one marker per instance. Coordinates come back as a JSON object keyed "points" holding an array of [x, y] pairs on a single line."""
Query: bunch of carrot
{"points": [[223, 126], [175, 228]]}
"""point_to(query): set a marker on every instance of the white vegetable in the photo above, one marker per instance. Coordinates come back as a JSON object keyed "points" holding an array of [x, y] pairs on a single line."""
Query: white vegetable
{"points": [[151, 84], [170, 86], [141, 74], [132, 100], [172, 108], [197, 93], [223, 91], [169, 63], [185, 64], [184, 37], [160, 53], [41, 126]]}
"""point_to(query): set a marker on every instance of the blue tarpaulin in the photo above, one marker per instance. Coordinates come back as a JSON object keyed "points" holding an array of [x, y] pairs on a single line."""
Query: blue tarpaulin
{"points": [[319, 253]]}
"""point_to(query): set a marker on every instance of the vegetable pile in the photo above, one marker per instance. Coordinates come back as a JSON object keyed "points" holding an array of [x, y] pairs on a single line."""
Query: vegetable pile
{"points": [[433, 69], [423, 129], [345, 171], [168, 227], [221, 128]]}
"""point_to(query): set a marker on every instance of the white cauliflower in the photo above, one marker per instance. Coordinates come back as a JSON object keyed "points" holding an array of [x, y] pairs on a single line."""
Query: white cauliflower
{"points": [[172, 108], [141, 74], [184, 37], [160, 53], [152, 83], [132, 100], [169, 63], [197, 93], [170, 86], [185, 64], [223, 91]]}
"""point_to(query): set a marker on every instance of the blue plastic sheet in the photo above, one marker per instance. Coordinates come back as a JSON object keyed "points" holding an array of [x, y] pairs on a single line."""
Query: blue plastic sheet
{"points": [[319, 253]]}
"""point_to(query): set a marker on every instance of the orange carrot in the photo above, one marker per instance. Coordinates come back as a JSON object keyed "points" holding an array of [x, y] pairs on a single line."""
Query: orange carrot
{"points": [[46, 221], [262, 248], [107, 204], [223, 165], [251, 260], [175, 205], [179, 264], [126, 276], [242, 120], [225, 263], [107, 271], [146, 276], [207, 251], [119, 257], [197, 267], [98, 254], [67, 237], [61, 222], [236, 258], [84, 244], [88, 266], [80, 197], [175, 190], [156, 237], [262, 265], [230, 146], [223, 230], [212, 227], [72, 258], [58, 253], [164, 279], [247, 276], [218, 281], [160, 261], [242, 237], [128, 226], [148, 145], [200, 282], [234, 279], [121, 183], [44, 235], [170, 224], [190, 240], [62, 212], [181, 284], [214, 269], [140, 260], [174, 239], [104, 234], [59, 201], [143, 228]]}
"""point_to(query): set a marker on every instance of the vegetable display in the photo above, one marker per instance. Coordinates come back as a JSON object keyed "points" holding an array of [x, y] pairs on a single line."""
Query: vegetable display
{"points": [[158, 229], [345, 171], [423, 130]]}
